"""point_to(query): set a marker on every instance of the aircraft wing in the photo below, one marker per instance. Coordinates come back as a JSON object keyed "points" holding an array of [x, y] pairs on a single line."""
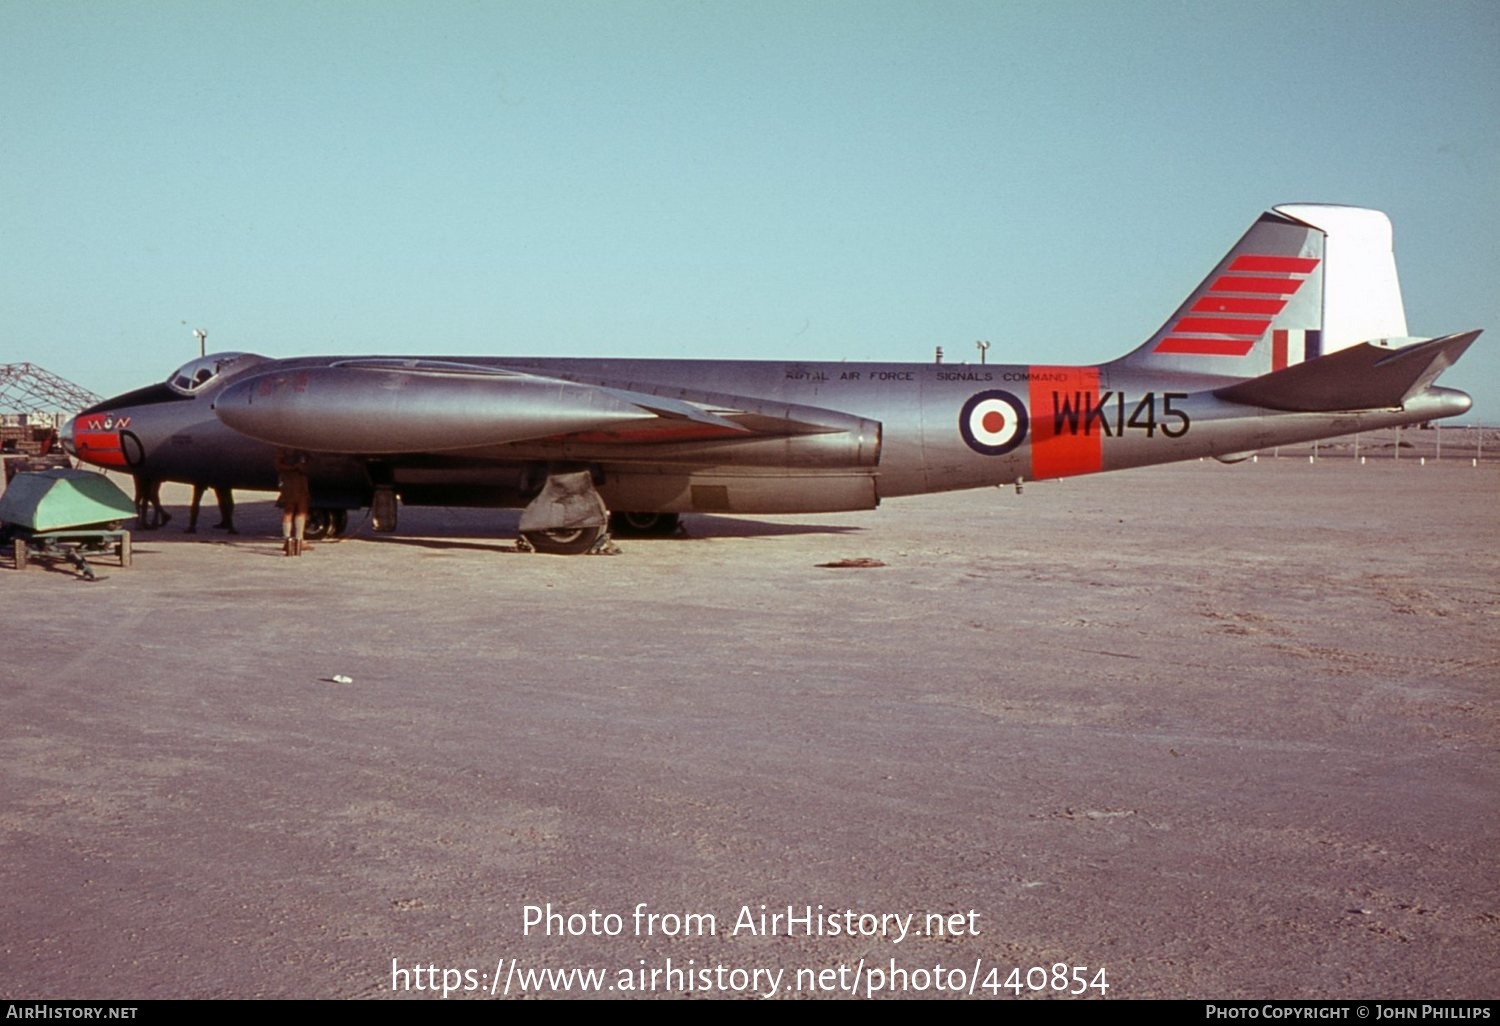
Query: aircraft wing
{"points": [[1362, 377], [391, 406]]}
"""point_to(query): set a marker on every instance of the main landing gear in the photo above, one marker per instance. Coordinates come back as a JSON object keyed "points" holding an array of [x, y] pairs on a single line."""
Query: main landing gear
{"points": [[564, 541], [573, 541], [567, 517]]}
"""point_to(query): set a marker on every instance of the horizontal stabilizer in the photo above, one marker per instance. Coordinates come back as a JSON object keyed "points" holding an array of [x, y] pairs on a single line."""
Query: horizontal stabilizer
{"points": [[1367, 376]]}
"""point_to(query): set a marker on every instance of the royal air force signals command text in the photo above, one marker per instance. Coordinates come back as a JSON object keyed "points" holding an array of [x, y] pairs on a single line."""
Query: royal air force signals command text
{"points": [[749, 921]]}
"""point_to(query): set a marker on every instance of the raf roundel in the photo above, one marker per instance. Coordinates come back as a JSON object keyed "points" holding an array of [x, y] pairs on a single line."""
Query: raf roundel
{"points": [[993, 422]]}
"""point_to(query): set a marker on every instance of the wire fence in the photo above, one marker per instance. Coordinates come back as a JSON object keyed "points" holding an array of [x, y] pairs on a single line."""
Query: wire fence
{"points": [[1453, 443]]}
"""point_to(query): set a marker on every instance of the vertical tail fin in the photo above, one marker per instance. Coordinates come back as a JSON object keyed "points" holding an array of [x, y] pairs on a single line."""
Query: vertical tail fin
{"points": [[1304, 281]]}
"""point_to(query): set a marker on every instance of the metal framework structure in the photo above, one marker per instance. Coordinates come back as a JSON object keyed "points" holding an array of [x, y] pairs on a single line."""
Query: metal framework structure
{"points": [[27, 388]]}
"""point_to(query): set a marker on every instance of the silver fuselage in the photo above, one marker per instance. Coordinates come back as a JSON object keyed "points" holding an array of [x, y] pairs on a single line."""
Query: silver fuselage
{"points": [[887, 430]]}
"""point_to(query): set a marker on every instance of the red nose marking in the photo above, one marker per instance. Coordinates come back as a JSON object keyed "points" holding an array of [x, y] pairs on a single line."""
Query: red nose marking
{"points": [[102, 448], [993, 421]]}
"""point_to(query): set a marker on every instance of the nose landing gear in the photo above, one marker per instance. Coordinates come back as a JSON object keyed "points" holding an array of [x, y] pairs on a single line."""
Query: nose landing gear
{"points": [[326, 523]]}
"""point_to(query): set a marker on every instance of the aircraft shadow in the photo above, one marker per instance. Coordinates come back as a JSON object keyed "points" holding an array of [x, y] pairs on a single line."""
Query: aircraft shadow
{"points": [[716, 526], [427, 541], [457, 527]]}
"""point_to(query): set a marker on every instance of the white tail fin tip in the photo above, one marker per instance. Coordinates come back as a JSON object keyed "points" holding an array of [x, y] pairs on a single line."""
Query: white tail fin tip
{"points": [[1361, 292]]}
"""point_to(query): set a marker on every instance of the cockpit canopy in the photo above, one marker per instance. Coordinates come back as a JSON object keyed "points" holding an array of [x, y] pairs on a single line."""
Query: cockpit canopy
{"points": [[191, 377]]}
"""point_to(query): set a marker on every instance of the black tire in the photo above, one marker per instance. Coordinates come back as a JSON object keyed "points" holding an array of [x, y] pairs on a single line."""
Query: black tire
{"points": [[570, 541], [325, 523], [643, 525], [317, 525]]}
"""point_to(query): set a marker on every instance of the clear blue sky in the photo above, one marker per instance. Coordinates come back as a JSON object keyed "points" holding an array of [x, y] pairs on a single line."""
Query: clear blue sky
{"points": [[823, 180]]}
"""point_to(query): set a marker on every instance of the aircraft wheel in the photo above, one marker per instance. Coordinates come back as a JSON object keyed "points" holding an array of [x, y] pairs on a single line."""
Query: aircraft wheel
{"points": [[325, 523], [317, 525], [643, 525], [569, 541]]}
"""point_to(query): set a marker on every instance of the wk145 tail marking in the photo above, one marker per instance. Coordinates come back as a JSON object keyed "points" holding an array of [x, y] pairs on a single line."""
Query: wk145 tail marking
{"points": [[1078, 412], [1071, 416]]}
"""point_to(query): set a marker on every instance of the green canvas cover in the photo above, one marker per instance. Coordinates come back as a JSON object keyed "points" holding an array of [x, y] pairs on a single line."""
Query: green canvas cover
{"points": [[55, 500]]}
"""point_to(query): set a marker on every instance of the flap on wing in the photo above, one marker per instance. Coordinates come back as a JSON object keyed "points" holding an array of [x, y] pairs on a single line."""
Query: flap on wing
{"points": [[1362, 377]]}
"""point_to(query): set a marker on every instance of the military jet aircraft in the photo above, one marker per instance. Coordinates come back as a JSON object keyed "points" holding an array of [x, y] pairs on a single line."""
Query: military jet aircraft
{"points": [[1299, 333]]}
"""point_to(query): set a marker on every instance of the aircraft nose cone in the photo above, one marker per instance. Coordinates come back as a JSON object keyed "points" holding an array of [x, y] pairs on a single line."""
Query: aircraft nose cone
{"points": [[65, 436]]}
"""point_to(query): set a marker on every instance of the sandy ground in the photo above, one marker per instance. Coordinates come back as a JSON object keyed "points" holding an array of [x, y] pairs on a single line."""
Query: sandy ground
{"points": [[1221, 731]]}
